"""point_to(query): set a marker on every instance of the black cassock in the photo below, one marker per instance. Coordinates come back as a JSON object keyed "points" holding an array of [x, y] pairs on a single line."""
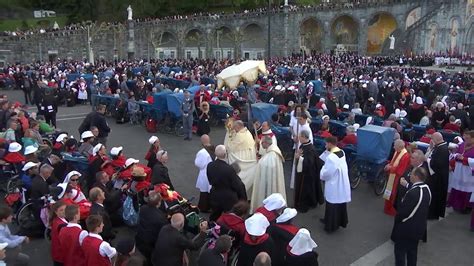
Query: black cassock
{"points": [[438, 182], [308, 189], [306, 259]]}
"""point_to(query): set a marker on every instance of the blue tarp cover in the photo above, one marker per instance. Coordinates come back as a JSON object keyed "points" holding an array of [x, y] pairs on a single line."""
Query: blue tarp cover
{"points": [[174, 101], [263, 111], [374, 143], [159, 101]]}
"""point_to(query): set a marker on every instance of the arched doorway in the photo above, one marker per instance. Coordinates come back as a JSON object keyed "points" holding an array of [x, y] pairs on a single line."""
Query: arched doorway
{"points": [[469, 41], [165, 44], [345, 32], [381, 26], [223, 43], [311, 34], [253, 42], [194, 44]]}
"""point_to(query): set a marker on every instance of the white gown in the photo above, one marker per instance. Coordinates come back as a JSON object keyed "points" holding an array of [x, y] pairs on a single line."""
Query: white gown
{"points": [[202, 160], [336, 188], [269, 177]]}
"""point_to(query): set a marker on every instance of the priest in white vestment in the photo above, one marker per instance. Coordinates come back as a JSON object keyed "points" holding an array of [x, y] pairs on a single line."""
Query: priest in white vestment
{"points": [[203, 158], [269, 175], [266, 132], [337, 189], [240, 147]]}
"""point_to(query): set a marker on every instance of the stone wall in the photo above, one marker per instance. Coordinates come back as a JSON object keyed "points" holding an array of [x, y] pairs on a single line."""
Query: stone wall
{"points": [[440, 26]]}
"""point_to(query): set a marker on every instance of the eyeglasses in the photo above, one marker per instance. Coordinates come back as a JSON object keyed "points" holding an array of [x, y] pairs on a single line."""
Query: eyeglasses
{"points": [[74, 180]]}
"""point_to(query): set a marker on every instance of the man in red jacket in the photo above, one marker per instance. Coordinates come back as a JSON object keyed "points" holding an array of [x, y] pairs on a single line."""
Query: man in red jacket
{"points": [[96, 251], [71, 238]]}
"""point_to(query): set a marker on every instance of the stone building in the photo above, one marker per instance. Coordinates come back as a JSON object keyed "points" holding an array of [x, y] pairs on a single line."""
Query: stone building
{"points": [[418, 26]]}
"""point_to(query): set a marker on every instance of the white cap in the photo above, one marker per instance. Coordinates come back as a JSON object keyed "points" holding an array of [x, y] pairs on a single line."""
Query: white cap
{"points": [[28, 166], [86, 134], [419, 100], [14, 147], [278, 87], [403, 113], [152, 139], [256, 225], [61, 137], [274, 202], [325, 116], [3, 246], [371, 99], [115, 150], [130, 161], [96, 149], [30, 149], [356, 126], [288, 214], [346, 106], [378, 105], [302, 243]]}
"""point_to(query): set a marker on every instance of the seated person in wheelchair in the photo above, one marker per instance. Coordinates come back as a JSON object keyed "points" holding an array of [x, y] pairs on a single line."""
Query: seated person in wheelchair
{"points": [[235, 219], [39, 184], [14, 158], [73, 188], [30, 170]]}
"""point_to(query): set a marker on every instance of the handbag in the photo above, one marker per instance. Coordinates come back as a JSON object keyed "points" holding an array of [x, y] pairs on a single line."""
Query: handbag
{"points": [[129, 214]]}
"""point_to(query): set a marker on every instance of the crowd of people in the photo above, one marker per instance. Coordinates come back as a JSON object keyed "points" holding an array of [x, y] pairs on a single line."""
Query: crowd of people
{"points": [[247, 167]]}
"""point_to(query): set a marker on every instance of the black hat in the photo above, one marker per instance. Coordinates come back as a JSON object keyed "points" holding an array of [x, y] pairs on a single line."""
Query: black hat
{"points": [[125, 246]]}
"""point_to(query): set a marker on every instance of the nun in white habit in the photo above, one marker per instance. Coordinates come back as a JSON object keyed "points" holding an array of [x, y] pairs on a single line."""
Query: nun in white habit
{"points": [[301, 251]]}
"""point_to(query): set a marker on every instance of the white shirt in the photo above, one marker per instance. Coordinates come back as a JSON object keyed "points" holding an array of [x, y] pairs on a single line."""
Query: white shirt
{"points": [[298, 128], [83, 233], [105, 249], [337, 187], [201, 161]]}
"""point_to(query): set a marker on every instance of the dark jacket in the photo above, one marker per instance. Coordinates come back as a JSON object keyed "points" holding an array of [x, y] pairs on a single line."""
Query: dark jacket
{"points": [[99, 121], [39, 187], [112, 202], [107, 233], [412, 214], [438, 182], [281, 234], [160, 175], [170, 246], [227, 187], [306, 259], [150, 222], [210, 257], [248, 251], [86, 123]]}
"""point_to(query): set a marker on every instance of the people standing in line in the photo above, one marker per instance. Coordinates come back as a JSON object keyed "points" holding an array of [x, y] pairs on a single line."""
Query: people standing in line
{"points": [[337, 190], [187, 110], [411, 219], [71, 238]]}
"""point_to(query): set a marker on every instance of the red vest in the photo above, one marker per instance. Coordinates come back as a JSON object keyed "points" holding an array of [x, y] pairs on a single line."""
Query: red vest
{"points": [[271, 216], [91, 246], [70, 246], [56, 253]]}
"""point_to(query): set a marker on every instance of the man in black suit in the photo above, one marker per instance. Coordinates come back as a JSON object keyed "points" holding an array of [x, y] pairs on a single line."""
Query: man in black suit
{"points": [[150, 221], [112, 202], [215, 256], [97, 197], [417, 159], [171, 243], [438, 181], [411, 219], [39, 184], [227, 187], [98, 120]]}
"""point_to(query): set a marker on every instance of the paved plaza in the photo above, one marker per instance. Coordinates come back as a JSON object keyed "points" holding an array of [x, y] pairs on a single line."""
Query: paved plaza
{"points": [[366, 240]]}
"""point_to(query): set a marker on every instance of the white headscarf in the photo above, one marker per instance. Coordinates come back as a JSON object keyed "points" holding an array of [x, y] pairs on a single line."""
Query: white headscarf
{"points": [[71, 174], [274, 202], [302, 243], [96, 149], [288, 214], [256, 225]]}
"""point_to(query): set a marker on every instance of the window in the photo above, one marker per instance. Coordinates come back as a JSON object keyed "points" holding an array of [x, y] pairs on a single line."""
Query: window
{"points": [[259, 55], [172, 54], [161, 55], [229, 54], [188, 55], [218, 55], [247, 55]]}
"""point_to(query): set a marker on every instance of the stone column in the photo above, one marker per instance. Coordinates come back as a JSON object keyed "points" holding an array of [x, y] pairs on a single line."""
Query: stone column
{"points": [[285, 26], [363, 32], [131, 39], [209, 44], [327, 37]]}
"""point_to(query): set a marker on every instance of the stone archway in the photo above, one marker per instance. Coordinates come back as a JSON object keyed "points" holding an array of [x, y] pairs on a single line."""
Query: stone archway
{"points": [[194, 44], [345, 31], [165, 44], [381, 26], [311, 34], [223, 43], [253, 42]]}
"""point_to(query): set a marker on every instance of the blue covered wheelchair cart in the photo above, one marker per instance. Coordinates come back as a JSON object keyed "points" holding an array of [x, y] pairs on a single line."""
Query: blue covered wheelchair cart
{"points": [[374, 144]]}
